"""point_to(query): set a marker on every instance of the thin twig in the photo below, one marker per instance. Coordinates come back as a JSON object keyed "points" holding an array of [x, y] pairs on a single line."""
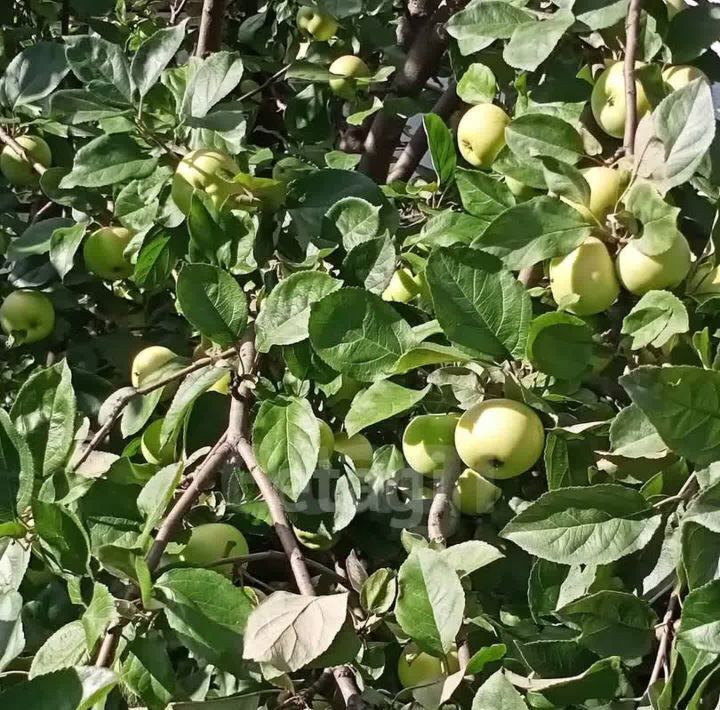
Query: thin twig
{"points": [[261, 87], [632, 30], [139, 392], [417, 145], [211, 27], [665, 636], [176, 10], [442, 500], [6, 138], [687, 491]]}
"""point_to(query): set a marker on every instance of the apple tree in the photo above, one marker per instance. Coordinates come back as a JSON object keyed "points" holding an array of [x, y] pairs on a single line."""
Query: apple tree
{"points": [[359, 354]]}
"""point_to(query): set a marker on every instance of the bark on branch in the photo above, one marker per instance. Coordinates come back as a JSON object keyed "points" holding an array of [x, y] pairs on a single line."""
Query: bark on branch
{"points": [[632, 30], [211, 27], [7, 139], [442, 500]]}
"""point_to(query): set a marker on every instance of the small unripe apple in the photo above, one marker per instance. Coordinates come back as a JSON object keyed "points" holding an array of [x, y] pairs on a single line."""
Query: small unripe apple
{"points": [[357, 448], [210, 171], [320, 25], [586, 274], [427, 442], [522, 192], [19, 171], [150, 445], [640, 273], [606, 187], [608, 100], [500, 438], [27, 316], [212, 542], [474, 494], [327, 442], [147, 362], [347, 70], [104, 253], [481, 134], [416, 667], [678, 76], [403, 286]]}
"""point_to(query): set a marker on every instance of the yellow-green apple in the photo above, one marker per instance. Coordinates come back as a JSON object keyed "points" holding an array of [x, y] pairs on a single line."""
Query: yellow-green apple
{"points": [[320, 25], [104, 253], [481, 134], [150, 445], [474, 494], [327, 442], [608, 100], [346, 71], [356, 447], [415, 667], [148, 367], [681, 75], [210, 171], [212, 542], [640, 273], [427, 442], [500, 438], [584, 282], [403, 286], [521, 191], [606, 187], [27, 316], [16, 168]]}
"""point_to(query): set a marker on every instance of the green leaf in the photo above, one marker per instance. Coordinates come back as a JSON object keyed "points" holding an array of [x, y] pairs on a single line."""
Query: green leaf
{"points": [[379, 591], [62, 538], [477, 85], [16, 472], [207, 612], [478, 26], [156, 261], [700, 554], [215, 77], [532, 42], [705, 508], [34, 73], [699, 623], [560, 345], [286, 437], [14, 561], [78, 688], [108, 160], [692, 31], [534, 231], [154, 54], [99, 616], [284, 316], [371, 264], [148, 671], [213, 302], [448, 228], [469, 556], [498, 693], [355, 220], [657, 218], [64, 244], [441, 146], [655, 319], [44, 414], [290, 630], [156, 496], [37, 238], [539, 134], [680, 404], [12, 638], [551, 586], [487, 654], [588, 524], [479, 305], [567, 460], [565, 180], [93, 58], [358, 334], [65, 648], [431, 601], [633, 436], [599, 14], [613, 622], [481, 195], [381, 401]]}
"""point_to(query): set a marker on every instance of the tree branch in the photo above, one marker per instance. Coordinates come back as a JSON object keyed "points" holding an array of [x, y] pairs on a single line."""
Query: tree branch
{"points": [[7, 139], [665, 636], [632, 29], [442, 500], [65, 18], [211, 27], [417, 145]]}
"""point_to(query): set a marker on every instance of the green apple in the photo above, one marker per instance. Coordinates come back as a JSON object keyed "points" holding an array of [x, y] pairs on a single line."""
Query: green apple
{"points": [[678, 76], [104, 253], [481, 134], [500, 438], [27, 316], [640, 273], [150, 445], [346, 71], [606, 188], [474, 494], [327, 442], [212, 542], [608, 100], [427, 442], [403, 286], [210, 171], [357, 448], [19, 171], [584, 282], [522, 192], [147, 362], [416, 667], [320, 25]]}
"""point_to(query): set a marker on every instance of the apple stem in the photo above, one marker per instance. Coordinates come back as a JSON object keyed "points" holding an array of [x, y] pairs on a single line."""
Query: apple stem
{"points": [[632, 28]]}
